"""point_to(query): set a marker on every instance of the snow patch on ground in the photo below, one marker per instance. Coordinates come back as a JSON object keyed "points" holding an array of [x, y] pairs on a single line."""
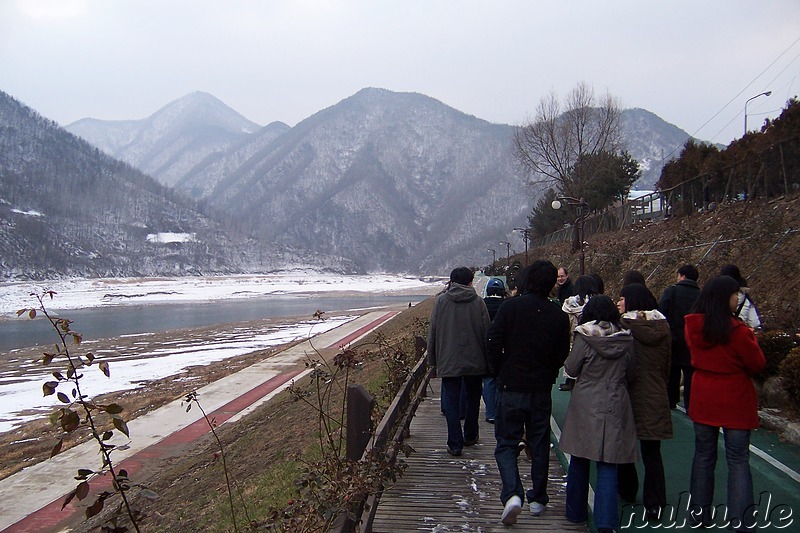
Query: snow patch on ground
{"points": [[165, 238]]}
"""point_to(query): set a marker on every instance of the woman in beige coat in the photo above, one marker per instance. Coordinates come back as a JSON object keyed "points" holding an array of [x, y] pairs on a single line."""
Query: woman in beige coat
{"points": [[599, 425]]}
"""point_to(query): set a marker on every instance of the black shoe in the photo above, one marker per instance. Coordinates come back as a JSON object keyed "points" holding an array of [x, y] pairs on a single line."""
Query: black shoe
{"points": [[453, 452], [471, 442], [654, 513], [566, 386]]}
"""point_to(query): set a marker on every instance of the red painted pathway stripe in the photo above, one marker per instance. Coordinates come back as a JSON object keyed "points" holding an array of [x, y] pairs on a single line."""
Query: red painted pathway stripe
{"points": [[356, 334], [51, 515]]}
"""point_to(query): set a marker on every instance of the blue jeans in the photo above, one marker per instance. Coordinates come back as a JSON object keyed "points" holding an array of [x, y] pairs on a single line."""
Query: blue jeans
{"points": [[489, 397], [740, 480], [605, 494], [451, 400], [521, 414]]}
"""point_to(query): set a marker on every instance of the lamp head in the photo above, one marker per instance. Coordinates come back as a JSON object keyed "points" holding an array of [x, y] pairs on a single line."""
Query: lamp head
{"points": [[556, 204]]}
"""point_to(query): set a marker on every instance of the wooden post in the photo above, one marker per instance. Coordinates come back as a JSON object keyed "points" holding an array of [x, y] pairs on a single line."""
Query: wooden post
{"points": [[359, 420]]}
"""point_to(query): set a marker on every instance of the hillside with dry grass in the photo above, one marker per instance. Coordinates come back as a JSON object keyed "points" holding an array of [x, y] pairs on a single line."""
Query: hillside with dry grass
{"points": [[761, 237]]}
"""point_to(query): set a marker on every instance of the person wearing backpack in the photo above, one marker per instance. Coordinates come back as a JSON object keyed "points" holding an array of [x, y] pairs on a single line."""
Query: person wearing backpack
{"points": [[745, 309]]}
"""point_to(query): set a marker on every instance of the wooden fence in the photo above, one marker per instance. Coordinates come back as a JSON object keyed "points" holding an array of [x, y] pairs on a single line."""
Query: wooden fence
{"points": [[393, 429]]}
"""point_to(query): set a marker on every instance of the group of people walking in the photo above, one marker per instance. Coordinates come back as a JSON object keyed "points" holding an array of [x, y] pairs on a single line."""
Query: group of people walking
{"points": [[623, 364]]}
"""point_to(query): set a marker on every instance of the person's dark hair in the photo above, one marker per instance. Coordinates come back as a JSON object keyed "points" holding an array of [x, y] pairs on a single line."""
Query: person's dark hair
{"points": [[601, 285], [584, 287], [690, 271], [714, 303], [633, 276], [638, 298], [600, 308], [733, 271], [462, 275], [538, 278]]}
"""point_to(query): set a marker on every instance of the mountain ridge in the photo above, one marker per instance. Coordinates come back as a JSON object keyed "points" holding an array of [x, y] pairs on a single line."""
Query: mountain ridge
{"points": [[394, 181]]}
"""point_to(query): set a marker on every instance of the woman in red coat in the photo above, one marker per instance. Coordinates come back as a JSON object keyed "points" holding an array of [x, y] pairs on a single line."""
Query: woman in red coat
{"points": [[725, 355]]}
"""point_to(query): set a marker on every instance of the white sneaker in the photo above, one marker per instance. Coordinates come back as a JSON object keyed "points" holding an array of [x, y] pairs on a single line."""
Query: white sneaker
{"points": [[537, 508], [511, 511]]}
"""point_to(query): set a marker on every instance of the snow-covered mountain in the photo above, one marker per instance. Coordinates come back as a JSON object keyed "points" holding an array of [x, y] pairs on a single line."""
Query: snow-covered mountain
{"points": [[395, 181], [172, 140], [652, 142]]}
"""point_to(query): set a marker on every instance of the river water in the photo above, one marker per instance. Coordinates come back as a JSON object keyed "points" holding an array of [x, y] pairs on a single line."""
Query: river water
{"points": [[114, 321]]}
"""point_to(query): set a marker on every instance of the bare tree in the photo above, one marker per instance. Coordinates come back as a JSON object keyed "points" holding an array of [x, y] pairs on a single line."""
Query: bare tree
{"points": [[562, 133]]}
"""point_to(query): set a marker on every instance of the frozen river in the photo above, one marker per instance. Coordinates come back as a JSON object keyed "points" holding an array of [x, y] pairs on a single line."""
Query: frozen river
{"points": [[102, 322], [133, 310]]}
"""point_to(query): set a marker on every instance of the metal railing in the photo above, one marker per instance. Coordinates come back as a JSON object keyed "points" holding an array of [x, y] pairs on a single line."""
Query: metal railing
{"points": [[649, 207]]}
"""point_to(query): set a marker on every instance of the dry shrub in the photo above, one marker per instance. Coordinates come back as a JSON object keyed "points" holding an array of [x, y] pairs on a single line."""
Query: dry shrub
{"points": [[790, 372], [776, 345]]}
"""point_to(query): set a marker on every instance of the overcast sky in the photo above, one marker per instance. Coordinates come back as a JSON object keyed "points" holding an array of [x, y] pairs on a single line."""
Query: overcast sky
{"points": [[693, 63]]}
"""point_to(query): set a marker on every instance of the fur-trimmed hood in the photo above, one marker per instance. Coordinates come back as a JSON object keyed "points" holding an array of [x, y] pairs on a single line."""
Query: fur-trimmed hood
{"points": [[648, 327], [606, 339]]}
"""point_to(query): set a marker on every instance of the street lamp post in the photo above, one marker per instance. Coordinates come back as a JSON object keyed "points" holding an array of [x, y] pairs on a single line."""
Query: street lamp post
{"points": [[766, 93], [580, 206], [494, 255], [508, 253], [525, 233]]}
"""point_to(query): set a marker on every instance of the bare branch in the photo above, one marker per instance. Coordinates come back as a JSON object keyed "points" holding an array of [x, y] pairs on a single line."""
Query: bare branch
{"points": [[560, 135]]}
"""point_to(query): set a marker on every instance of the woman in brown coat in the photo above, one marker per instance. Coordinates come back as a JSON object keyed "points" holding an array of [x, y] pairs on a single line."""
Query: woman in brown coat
{"points": [[648, 392]]}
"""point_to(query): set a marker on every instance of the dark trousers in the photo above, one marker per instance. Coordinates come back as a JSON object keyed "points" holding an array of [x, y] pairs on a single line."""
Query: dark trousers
{"points": [[523, 414], [654, 488], [674, 384], [451, 399]]}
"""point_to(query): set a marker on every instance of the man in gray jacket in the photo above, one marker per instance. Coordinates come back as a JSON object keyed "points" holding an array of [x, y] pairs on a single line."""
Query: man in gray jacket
{"points": [[457, 351]]}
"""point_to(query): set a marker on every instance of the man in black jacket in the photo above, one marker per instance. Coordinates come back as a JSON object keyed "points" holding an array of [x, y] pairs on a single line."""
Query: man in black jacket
{"points": [[565, 287], [675, 303], [528, 342]]}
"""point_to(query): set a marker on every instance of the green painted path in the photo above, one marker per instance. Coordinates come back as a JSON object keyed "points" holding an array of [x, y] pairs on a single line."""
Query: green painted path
{"points": [[776, 478]]}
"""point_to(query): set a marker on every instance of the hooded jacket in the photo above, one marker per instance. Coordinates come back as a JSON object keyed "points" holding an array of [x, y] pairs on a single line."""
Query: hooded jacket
{"points": [[648, 389], [527, 343], [457, 335], [599, 424], [574, 308], [723, 394]]}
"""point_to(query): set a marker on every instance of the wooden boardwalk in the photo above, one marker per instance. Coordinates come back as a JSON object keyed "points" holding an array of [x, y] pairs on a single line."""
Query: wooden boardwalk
{"points": [[440, 493]]}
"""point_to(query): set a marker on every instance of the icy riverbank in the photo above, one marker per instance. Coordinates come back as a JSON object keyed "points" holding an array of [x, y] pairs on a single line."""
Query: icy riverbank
{"points": [[134, 359], [85, 293]]}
